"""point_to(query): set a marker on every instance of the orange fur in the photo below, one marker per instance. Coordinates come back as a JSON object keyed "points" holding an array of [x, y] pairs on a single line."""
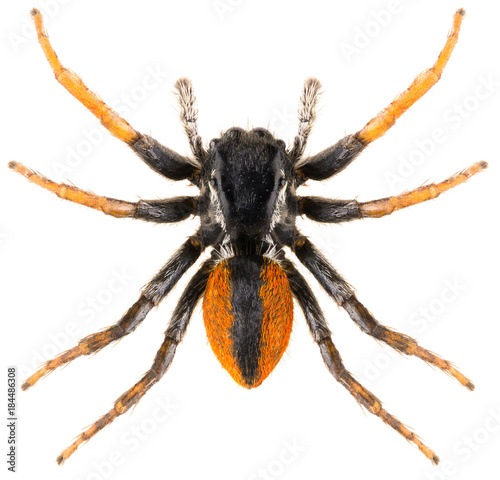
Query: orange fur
{"points": [[277, 323], [218, 318]]}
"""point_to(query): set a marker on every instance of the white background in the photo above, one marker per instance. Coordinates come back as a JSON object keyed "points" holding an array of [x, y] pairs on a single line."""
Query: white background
{"points": [[247, 61]]}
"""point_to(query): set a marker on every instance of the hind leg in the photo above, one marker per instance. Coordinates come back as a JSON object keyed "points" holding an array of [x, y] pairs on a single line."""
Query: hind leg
{"points": [[333, 361], [175, 331]]}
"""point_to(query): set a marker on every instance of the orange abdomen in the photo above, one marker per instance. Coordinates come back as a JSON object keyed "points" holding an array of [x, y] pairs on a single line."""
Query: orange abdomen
{"points": [[248, 315]]}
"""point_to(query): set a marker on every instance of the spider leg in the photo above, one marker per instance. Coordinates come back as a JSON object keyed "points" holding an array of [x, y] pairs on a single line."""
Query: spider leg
{"points": [[344, 296], [336, 211], [378, 125], [159, 211], [173, 336], [333, 361], [189, 116], [385, 206], [335, 158], [152, 294], [307, 116], [159, 158]]}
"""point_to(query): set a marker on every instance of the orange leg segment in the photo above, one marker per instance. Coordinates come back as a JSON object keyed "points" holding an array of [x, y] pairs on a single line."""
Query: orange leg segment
{"points": [[364, 397], [95, 342], [400, 342], [378, 125], [116, 125], [109, 206], [385, 206]]}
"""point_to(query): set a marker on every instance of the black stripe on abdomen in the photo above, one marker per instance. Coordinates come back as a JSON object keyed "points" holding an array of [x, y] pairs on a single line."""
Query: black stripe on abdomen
{"points": [[246, 304]]}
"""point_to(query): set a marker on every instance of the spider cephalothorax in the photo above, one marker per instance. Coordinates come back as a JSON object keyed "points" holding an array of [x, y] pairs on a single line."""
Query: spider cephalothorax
{"points": [[247, 207], [247, 188]]}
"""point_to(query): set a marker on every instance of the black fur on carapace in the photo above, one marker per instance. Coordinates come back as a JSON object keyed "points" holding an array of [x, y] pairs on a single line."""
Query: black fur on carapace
{"points": [[247, 188]]}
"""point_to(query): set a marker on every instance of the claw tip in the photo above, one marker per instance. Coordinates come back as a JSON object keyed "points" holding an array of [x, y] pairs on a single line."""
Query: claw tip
{"points": [[470, 386], [483, 164]]}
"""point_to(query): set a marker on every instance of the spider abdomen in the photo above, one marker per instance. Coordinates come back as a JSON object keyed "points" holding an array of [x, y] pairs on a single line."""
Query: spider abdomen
{"points": [[248, 315]]}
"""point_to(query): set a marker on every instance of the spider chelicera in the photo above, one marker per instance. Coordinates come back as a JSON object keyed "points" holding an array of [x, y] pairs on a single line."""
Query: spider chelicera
{"points": [[247, 207]]}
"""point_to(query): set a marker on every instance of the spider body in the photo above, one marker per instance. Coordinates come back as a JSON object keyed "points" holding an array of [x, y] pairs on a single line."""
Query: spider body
{"points": [[247, 205]]}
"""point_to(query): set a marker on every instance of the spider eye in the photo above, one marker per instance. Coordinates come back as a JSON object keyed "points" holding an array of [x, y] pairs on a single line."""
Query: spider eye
{"points": [[281, 182], [213, 142], [213, 182], [261, 132]]}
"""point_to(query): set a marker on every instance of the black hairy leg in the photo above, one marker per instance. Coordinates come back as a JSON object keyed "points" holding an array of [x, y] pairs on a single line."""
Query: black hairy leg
{"points": [[333, 361], [153, 293], [344, 296]]}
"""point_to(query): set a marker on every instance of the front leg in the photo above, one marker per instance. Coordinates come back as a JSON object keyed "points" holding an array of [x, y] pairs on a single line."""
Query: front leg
{"points": [[159, 158], [336, 158], [333, 361]]}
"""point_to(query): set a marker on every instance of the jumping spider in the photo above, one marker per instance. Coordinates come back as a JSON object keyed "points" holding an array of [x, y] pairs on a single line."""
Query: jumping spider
{"points": [[247, 207]]}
